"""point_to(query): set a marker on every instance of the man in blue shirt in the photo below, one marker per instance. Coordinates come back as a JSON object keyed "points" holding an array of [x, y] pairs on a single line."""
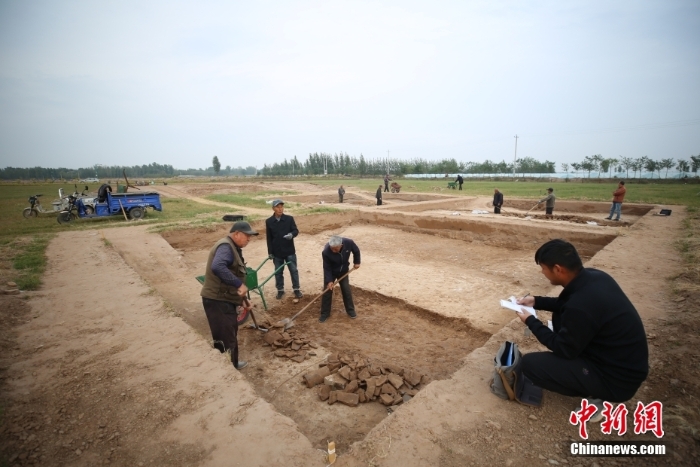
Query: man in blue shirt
{"points": [[281, 230]]}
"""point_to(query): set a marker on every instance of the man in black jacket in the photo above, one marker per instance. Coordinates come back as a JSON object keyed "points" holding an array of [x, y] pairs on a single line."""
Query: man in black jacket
{"points": [[281, 230], [497, 201], [598, 345], [336, 263], [378, 195]]}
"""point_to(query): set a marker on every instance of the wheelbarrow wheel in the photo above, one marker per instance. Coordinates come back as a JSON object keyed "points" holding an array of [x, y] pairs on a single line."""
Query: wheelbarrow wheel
{"points": [[243, 315]]}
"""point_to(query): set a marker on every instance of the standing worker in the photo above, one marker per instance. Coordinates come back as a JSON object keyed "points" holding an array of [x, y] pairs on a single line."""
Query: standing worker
{"points": [[281, 230], [224, 289], [378, 195], [336, 263], [386, 183], [341, 193], [549, 206], [460, 180], [618, 197], [497, 201]]}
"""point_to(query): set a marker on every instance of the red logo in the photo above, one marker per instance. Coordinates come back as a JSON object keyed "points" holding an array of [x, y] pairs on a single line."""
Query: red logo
{"points": [[648, 418]]}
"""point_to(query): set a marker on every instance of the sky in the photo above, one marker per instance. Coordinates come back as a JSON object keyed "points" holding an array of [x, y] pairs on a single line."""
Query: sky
{"points": [[135, 82]]}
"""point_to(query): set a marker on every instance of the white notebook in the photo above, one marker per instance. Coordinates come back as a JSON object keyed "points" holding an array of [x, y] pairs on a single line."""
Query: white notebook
{"points": [[512, 304]]}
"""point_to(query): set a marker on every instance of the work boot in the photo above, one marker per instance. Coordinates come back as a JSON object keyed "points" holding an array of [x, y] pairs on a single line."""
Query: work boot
{"points": [[352, 314], [608, 218], [322, 319], [298, 294], [280, 294], [241, 365]]}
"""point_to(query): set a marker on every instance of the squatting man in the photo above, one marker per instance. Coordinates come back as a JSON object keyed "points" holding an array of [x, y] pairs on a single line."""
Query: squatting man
{"points": [[598, 348]]}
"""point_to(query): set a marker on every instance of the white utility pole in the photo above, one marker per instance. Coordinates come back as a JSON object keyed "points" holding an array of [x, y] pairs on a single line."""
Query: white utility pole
{"points": [[516, 154]]}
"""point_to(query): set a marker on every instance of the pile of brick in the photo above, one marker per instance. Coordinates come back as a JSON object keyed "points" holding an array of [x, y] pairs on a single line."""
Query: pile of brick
{"points": [[290, 344], [353, 379], [11, 289]]}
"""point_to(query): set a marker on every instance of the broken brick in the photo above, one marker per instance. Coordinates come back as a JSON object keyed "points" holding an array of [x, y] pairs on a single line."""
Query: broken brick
{"points": [[271, 336], [348, 398], [324, 392], [377, 391], [316, 377], [364, 374], [388, 389], [380, 380], [424, 380], [352, 386], [299, 358], [335, 381], [397, 400], [386, 399], [374, 371], [333, 365], [361, 395], [296, 346], [397, 370], [345, 373], [332, 397], [412, 377], [395, 380], [370, 387]]}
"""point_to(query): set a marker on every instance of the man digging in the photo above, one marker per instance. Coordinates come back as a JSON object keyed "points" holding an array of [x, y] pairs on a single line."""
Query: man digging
{"points": [[336, 264]]}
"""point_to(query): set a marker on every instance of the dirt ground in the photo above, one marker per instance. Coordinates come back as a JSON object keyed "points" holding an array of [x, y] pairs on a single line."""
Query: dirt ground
{"points": [[110, 363]]}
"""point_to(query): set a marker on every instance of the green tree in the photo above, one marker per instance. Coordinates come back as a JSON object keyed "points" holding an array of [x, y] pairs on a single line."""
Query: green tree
{"points": [[683, 166], [695, 163], [216, 164], [666, 164]]}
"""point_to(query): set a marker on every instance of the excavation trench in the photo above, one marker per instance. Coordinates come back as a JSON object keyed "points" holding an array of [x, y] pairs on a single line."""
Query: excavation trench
{"points": [[426, 296]]}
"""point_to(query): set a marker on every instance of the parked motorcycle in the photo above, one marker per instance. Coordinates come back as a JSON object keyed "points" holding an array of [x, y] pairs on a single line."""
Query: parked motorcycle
{"points": [[35, 208]]}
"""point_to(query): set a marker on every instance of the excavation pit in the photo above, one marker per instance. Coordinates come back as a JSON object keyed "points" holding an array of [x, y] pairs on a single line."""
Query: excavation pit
{"points": [[386, 330]]}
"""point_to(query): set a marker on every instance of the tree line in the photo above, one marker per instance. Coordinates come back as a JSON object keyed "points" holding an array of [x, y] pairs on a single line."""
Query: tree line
{"points": [[344, 164], [114, 172], [599, 164]]}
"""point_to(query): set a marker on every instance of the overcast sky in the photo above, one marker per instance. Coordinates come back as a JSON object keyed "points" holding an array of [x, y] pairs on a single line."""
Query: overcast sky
{"points": [[254, 82]]}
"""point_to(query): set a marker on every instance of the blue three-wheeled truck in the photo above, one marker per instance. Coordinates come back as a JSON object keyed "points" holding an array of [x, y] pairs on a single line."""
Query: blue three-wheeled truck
{"points": [[130, 205]]}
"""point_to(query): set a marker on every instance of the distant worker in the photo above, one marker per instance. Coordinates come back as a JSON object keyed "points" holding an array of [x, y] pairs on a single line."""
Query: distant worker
{"points": [[386, 182], [549, 205], [497, 201], [336, 263], [618, 197], [281, 230], [378, 195], [460, 180], [341, 193], [224, 289], [102, 192]]}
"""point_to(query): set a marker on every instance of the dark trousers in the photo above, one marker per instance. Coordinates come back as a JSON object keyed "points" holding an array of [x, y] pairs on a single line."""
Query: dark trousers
{"points": [[223, 322], [576, 378], [496, 209], [460, 186], [379, 201], [386, 187], [327, 299], [548, 211], [293, 271], [341, 198]]}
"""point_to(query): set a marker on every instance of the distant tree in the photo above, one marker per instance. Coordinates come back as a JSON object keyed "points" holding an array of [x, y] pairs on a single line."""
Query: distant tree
{"points": [[683, 166], [695, 163], [589, 165], [650, 165], [666, 164], [565, 168], [627, 163], [597, 160], [576, 166], [216, 164], [606, 165]]}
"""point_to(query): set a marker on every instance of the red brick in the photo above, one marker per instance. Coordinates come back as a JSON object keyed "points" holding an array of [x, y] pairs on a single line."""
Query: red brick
{"points": [[351, 386], [323, 392], [316, 377], [386, 399], [395, 380], [388, 389]]}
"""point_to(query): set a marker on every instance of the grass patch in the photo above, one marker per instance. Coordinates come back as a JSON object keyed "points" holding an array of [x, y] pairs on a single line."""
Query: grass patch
{"points": [[29, 261]]}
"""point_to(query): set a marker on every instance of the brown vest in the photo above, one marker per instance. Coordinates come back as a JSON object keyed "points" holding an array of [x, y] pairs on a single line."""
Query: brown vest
{"points": [[213, 287]]}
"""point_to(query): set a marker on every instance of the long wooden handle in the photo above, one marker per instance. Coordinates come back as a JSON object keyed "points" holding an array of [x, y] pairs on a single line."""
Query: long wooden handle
{"points": [[123, 211], [317, 296]]}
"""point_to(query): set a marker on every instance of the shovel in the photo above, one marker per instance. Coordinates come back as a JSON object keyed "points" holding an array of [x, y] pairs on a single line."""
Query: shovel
{"points": [[255, 322], [289, 322], [528, 212]]}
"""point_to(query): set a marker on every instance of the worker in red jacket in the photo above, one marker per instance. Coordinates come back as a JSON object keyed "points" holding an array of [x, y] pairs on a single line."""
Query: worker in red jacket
{"points": [[618, 197]]}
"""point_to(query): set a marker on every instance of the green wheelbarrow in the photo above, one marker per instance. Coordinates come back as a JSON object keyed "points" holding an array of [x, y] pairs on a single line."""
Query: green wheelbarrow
{"points": [[254, 285], [452, 185]]}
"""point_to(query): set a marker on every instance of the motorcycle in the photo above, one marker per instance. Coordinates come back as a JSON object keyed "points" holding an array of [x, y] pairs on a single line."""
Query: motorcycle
{"points": [[35, 208]]}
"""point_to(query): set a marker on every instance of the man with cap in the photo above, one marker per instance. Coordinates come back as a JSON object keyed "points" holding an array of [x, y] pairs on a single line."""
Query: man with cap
{"points": [[281, 230], [224, 289], [378, 195], [336, 264], [549, 202]]}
